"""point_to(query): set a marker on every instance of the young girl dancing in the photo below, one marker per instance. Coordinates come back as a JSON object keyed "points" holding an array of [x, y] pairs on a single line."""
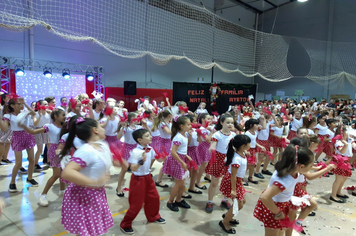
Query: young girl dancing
{"points": [[329, 149], [176, 163], [320, 130], [217, 168], [296, 123], [277, 136], [53, 130], [21, 140], [111, 124], [203, 148], [274, 202], [231, 185], [85, 210]]}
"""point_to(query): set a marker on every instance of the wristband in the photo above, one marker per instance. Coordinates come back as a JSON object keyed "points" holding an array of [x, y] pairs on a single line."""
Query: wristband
{"points": [[141, 162]]}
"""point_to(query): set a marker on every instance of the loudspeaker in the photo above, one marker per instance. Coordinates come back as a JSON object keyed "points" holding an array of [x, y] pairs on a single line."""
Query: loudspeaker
{"points": [[129, 87]]}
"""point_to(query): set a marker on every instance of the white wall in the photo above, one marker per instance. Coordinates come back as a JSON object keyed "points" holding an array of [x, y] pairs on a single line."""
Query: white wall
{"points": [[117, 69]]}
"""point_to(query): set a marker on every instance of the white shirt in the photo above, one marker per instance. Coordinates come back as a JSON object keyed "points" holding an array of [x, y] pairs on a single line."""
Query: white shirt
{"points": [[242, 162], [181, 142], [200, 111], [13, 122], [253, 138], [128, 134], [296, 124], [97, 163], [111, 126], [288, 182], [222, 141], [163, 134], [329, 134], [194, 141], [153, 133], [45, 119], [348, 152], [71, 114], [96, 114], [278, 131], [322, 129], [77, 142], [145, 168], [311, 132], [263, 134], [53, 132]]}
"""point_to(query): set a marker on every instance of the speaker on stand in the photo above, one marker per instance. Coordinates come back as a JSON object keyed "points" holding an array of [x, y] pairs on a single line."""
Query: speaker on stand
{"points": [[129, 89]]}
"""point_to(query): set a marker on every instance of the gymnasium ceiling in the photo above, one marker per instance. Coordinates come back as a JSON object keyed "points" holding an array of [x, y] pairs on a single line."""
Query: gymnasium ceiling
{"points": [[256, 6]]}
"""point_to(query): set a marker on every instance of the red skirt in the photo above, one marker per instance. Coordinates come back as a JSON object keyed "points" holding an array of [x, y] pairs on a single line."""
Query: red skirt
{"points": [[291, 134], [276, 142], [263, 214], [251, 159], [342, 172], [321, 137], [328, 149], [299, 192], [218, 168], [265, 144], [225, 187]]}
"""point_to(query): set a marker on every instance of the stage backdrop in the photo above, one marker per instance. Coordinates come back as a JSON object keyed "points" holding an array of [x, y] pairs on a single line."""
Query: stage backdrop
{"points": [[155, 94], [195, 93], [33, 86]]}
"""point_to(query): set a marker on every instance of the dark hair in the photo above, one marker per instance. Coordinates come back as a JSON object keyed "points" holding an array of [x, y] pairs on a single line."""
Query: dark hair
{"points": [[299, 129], [38, 103], [82, 130], [11, 102], [314, 139], [321, 116], [235, 144], [138, 134], [176, 125], [148, 112], [202, 116], [307, 122], [338, 129], [329, 121], [97, 102], [55, 113], [191, 117], [250, 123], [62, 98], [163, 114], [288, 162], [222, 118], [49, 99], [302, 142]]}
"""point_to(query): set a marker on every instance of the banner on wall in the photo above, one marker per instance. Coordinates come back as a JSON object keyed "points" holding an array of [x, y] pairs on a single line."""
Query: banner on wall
{"points": [[229, 94]]}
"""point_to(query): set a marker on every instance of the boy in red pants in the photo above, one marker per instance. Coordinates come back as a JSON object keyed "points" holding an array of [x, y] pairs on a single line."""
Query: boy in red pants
{"points": [[142, 187]]}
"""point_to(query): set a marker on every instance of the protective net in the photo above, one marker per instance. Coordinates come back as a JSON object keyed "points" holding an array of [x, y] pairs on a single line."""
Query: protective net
{"points": [[168, 29]]}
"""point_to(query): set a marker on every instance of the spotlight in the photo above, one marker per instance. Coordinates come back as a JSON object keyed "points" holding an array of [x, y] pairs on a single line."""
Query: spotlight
{"points": [[89, 76], [66, 73], [47, 72], [19, 71], [302, 0]]}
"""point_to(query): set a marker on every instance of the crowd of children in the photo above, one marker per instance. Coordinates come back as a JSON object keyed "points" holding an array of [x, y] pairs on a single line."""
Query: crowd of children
{"points": [[85, 137]]}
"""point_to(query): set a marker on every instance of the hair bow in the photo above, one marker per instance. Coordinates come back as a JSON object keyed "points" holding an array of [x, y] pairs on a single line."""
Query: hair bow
{"points": [[108, 111], [137, 119], [73, 103], [267, 111], [175, 118], [185, 109], [145, 115], [80, 120], [142, 99], [296, 154], [85, 101], [40, 107]]}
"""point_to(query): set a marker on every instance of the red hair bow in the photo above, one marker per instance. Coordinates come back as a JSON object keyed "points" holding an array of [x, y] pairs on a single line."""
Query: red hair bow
{"points": [[73, 103], [137, 119], [185, 109], [142, 99], [145, 115], [108, 111], [85, 101], [267, 111], [39, 107]]}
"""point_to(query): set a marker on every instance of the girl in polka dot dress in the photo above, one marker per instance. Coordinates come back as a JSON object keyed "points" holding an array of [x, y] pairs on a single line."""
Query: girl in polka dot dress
{"points": [[320, 130], [276, 135], [296, 123], [111, 124], [21, 140], [344, 148], [203, 148], [53, 130], [85, 210], [163, 123], [231, 185], [274, 203], [329, 149], [176, 163], [217, 168]]}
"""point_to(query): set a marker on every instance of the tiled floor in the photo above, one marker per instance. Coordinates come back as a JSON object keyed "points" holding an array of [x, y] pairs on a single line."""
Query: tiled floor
{"points": [[24, 217]]}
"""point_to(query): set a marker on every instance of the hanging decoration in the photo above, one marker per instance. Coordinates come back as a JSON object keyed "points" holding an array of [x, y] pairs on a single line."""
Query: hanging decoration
{"points": [[214, 92]]}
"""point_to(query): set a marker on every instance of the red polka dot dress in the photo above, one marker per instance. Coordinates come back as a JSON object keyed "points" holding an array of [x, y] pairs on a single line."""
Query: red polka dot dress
{"points": [[299, 191], [251, 158], [321, 133], [218, 168], [328, 147], [262, 139], [286, 184], [276, 142], [348, 154], [85, 210], [296, 124], [225, 186]]}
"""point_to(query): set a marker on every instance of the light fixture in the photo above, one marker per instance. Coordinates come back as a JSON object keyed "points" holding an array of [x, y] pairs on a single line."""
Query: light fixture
{"points": [[302, 0], [89, 76], [47, 72], [19, 71], [66, 73]]}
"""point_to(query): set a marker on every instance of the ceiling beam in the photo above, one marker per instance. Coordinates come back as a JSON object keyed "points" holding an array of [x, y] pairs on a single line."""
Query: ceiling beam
{"points": [[271, 3], [247, 6], [281, 5]]}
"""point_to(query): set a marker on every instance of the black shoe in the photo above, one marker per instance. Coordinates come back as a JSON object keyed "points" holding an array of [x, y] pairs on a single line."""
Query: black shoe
{"points": [[12, 188], [331, 173], [209, 180], [195, 191], [187, 196], [6, 161], [246, 184], [32, 182], [342, 196], [232, 222], [182, 204], [127, 230], [38, 168], [252, 181], [312, 213], [259, 175], [266, 172], [23, 170], [338, 201], [122, 194], [172, 206], [160, 221], [202, 187], [230, 231], [160, 184], [129, 170], [303, 232], [327, 175], [353, 194]]}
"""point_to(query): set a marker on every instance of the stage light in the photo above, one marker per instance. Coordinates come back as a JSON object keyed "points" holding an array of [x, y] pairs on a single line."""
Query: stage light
{"points": [[89, 76], [47, 72], [302, 0], [19, 71], [66, 73]]}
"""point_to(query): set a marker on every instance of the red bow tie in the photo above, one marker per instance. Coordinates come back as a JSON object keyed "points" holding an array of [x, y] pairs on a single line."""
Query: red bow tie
{"points": [[147, 149]]}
